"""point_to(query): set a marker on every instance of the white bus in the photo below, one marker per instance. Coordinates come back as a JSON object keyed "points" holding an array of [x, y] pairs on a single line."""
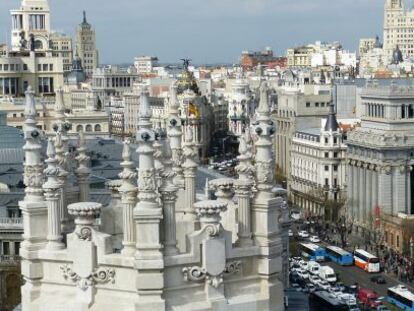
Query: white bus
{"points": [[366, 261], [401, 297]]}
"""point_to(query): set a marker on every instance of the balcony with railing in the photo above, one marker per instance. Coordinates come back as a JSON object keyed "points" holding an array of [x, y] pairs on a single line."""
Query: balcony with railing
{"points": [[11, 223]]}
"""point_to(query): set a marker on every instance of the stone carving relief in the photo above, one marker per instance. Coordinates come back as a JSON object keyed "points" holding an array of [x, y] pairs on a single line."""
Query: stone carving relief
{"points": [[199, 274], [98, 276]]}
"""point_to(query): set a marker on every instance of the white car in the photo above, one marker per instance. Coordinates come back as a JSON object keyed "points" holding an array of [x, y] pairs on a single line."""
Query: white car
{"points": [[304, 274], [314, 239], [323, 285], [303, 234], [290, 233], [314, 279], [303, 264]]}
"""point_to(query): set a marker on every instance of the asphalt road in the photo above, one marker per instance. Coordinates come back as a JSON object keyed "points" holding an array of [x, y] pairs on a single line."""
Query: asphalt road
{"points": [[352, 274]]}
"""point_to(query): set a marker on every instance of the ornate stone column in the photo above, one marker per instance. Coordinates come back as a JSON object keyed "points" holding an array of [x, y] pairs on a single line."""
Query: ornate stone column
{"points": [[33, 206], [128, 192], [52, 193], [61, 127], [159, 167], [190, 170], [175, 135], [60, 156], [266, 208], [243, 187], [168, 197], [147, 216], [83, 171]]}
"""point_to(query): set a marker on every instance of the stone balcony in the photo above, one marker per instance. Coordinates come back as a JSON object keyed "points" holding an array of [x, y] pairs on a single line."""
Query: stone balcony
{"points": [[11, 223]]}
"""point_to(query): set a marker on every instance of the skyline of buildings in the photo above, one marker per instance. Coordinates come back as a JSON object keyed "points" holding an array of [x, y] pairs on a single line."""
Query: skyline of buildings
{"points": [[279, 47]]}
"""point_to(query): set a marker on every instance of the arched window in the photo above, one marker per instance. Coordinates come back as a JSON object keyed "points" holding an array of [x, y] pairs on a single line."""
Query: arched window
{"points": [[97, 128], [89, 128], [79, 128], [38, 45]]}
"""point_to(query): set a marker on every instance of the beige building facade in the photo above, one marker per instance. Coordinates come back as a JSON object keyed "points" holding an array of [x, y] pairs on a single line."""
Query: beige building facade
{"points": [[398, 29]]}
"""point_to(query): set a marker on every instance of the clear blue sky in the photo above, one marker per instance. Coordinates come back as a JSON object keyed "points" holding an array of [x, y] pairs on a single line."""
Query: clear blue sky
{"points": [[210, 30]]}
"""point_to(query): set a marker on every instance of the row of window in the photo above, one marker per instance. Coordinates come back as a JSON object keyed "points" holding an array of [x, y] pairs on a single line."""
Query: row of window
{"points": [[317, 104], [44, 67], [12, 67], [334, 167], [88, 128], [6, 248]]}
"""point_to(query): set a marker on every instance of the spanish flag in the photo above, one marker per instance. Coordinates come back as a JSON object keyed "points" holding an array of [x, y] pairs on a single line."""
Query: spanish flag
{"points": [[193, 110]]}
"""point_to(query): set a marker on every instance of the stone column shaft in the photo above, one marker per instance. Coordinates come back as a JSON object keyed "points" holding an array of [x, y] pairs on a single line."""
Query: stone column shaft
{"points": [[54, 236], [243, 194], [170, 235]]}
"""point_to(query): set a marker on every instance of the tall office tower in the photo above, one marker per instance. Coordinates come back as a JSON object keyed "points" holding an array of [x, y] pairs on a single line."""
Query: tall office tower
{"points": [[86, 46], [398, 30]]}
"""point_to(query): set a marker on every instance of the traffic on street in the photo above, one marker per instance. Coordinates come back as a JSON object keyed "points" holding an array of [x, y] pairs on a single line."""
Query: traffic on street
{"points": [[334, 278]]}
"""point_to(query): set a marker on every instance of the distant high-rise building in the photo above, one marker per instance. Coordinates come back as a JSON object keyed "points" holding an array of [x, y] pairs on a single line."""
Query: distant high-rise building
{"points": [[86, 46], [61, 45], [398, 29], [31, 59]]}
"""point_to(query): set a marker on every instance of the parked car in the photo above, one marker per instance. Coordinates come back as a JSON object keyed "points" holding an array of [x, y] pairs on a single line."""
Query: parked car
{"points": [[303, 264], [304, 274], [296, 286], [313, 279], [382, 308], [378, 279], [314, 239], [341, 286], [335, 290], [368, 298], [311, 287], [323, 284], [303, 234], [314, 267], [290, 233]]}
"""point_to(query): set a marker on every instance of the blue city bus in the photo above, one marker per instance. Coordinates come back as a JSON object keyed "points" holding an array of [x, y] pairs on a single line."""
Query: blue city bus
{"points": [[312, 251], [401, 297], [340, 256]]}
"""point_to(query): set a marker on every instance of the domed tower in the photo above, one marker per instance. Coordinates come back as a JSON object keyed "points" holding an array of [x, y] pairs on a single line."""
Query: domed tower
{"points": [[241, 107]]}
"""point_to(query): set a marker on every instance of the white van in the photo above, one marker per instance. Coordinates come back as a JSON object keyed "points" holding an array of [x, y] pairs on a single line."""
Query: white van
{"points": [[313, 267], [327, 273]]}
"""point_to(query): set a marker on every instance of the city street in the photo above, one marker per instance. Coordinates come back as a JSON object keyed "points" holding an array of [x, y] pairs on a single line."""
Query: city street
{"points": [[352, 274]]}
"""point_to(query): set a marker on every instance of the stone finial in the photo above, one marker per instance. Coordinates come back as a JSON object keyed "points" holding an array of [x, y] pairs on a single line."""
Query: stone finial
{"points": [[82, 158], [126, 152], [189, 135], [145, 111], [30, 106], [264, 129], [168, 173], [158, 146], [264, 99], [242, 145], [59, 105], [244, 169], [174, 105], [206, 190], [51, 171], [83, 171]]}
